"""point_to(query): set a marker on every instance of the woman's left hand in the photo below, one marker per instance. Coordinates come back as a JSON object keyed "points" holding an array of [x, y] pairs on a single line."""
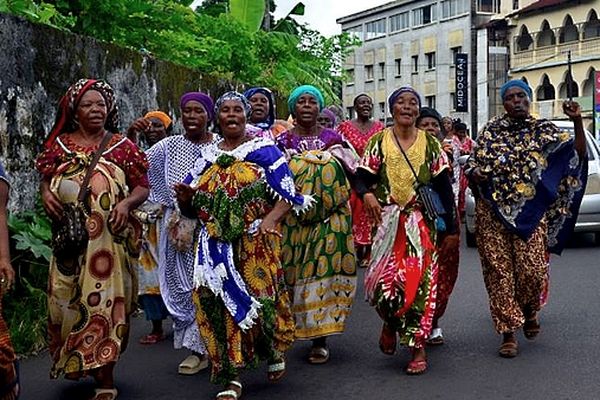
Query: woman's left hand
{"points": [[7, 276], [119, 216], [449, 243], [269, 225], [184, 194], [572, 109]]}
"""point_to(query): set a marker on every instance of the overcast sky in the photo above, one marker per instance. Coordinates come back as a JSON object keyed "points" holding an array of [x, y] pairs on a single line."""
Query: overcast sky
{"points": [[321, 14]]}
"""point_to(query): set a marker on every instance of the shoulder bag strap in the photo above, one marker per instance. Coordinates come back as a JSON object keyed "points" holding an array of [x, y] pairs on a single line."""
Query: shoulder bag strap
{"points": [[88, 175]]}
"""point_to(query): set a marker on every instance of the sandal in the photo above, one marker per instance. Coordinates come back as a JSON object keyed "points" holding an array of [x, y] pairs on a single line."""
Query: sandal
{"points": [[531, 328], [192, 365], [318, 355], [509, 349], [276, 371], [105, 394], [416, 367], [387, 341], [436, 338], [231, 394], [152, 338]]}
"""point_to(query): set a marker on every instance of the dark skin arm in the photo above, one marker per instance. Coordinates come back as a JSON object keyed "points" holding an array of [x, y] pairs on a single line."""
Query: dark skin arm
{"points": [[120, 214], [7, 274], [184, 195], [573, 111], [271, 221], [51, 203]]}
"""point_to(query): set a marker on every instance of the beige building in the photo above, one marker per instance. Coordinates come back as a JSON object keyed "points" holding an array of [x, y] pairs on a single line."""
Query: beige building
{"points": [[540, 37]]}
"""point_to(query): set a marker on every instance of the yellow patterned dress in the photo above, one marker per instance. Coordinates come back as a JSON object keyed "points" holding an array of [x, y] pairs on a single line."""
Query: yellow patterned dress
{"points": [[91, 295], [318, 247]]}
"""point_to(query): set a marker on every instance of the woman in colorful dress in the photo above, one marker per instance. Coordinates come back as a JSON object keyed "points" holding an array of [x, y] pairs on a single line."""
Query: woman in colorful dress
{"points": [[262, 121], [448, 257], [90, 295], [170, 161], [149, 130], [401, 282], [9, 378], [318, 251], [358, 131], [240, 192], [528, 178], [466, 147]]}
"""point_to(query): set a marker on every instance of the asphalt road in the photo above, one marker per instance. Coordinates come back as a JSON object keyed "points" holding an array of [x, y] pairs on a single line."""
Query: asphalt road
{"points": [[563, 363]]}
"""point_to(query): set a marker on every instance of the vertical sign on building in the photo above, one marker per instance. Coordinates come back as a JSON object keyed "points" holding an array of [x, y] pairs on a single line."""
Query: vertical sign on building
{"points": [[597, 105], [462, 82]]}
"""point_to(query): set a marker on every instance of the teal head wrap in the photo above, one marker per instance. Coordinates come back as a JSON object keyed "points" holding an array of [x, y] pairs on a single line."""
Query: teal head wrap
{"points": [[305, 89]]}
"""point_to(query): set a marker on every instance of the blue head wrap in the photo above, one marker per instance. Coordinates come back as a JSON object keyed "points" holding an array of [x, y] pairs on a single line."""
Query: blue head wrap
{"points": [[515, 83], [396, 93], [236, 97], [266, 124], [305, 89]]}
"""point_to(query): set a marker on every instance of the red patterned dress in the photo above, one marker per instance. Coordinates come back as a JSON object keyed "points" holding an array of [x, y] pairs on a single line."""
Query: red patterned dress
{"points": [[361, 228], [90, 296]]}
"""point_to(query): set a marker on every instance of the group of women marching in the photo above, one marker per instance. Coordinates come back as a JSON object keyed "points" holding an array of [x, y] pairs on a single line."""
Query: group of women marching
{"points": [[252, 233]]}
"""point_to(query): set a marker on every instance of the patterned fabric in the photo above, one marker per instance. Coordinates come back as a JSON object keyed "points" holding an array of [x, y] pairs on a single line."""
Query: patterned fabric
{"points": [[466, 148], [396, 93], [318, 252], [361, 227], [455, 166], [235, 96], [448, 262], [91, 297], [515, 271], [8, 359], [243, 306], [65, 117], [170, 161], [534, 171], [401, 281], [267, 123]]}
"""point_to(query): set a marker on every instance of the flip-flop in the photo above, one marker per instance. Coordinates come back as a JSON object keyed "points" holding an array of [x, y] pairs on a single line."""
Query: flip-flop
{"points": [[152, 338], [509, 349], [276, 371], [416, 367], [192, 365], [436, 338], [231, 393], [105, 394], [318, 355], [531, 328]]}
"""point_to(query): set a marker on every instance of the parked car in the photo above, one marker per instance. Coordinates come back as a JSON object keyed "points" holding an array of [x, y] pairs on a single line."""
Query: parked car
{"points": [[589, 212]]}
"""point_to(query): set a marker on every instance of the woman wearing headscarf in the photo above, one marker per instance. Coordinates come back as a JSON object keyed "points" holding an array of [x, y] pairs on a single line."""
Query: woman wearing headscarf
{"points": [[90, 294], [318, 250], [240, 192], [358, 131], [448, 256], [327, 119], [153, 127], [466, 147], [401, 282], [529, 178], [170, 161]]}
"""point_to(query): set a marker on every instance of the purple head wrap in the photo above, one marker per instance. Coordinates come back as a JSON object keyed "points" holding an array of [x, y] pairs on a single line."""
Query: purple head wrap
{"points": [[201, 98], [396, 93], [330, 115]]}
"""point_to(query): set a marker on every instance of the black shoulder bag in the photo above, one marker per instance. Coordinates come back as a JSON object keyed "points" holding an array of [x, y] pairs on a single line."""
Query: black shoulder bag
{"points": [[69, 234], [431, 200]]}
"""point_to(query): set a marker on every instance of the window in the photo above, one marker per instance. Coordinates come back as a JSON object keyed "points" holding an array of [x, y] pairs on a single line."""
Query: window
{"points": [[453, 101], [515, 4], [382, 109], [369, 73], [357, 32], [350, 111], [430, 60], [451, 8], [488, 6], [430, 100], [350, 75], [424, 15], [399, 22], [398, 62], [453, 52], [375, 29], [381, 71], [415, 64]]}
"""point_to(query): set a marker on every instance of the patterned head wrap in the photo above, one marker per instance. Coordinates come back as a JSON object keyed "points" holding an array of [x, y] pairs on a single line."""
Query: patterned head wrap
{"points": [[67, 107], [161, 116], [236, 96], [201, 98], [515, 83], [305, 89], [396, 93], [266, 124]]}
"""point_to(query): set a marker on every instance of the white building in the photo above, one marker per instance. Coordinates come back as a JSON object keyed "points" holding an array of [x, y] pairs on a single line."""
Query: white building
{"points": [[414, 42]]}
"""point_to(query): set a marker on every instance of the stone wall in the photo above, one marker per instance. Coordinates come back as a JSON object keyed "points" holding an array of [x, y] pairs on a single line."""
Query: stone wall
{"points": [[37, 66]]}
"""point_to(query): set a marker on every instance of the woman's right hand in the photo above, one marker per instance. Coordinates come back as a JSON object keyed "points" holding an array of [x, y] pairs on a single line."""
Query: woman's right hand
{"points": [[184, 194], [478, 176], [372, 208], [51, 203]]}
